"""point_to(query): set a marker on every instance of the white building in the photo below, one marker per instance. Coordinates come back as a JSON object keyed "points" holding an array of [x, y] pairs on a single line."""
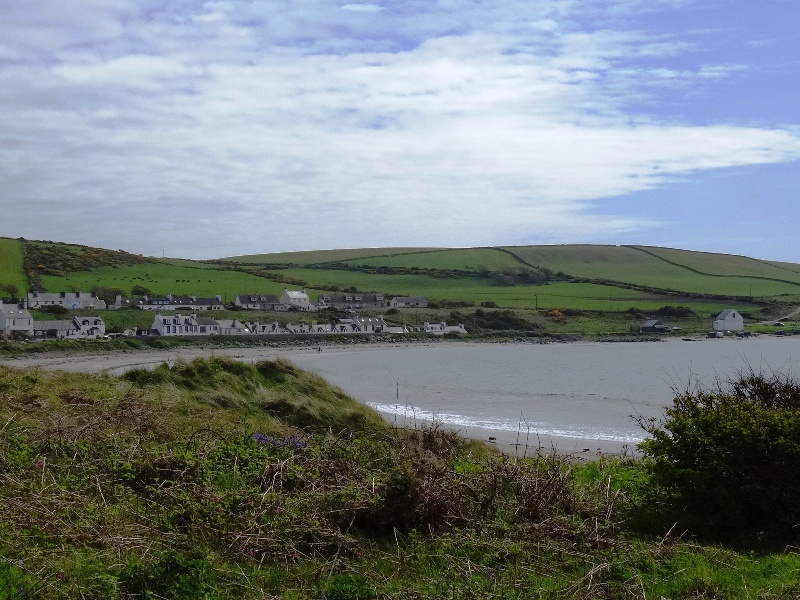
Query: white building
{"points": [[207, 326], [170, 302], [258, 301], [729, 320], [442, 328], [296, 300], [371, 324], [78, 328], [273, 328], [176, 325], [233, 327], [351, 301], [69, 300], [13, 318], [408, 302]]}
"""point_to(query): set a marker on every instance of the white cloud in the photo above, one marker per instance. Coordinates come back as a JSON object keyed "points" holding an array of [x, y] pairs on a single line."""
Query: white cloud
{"points": [[359, 124], [369, 8]]}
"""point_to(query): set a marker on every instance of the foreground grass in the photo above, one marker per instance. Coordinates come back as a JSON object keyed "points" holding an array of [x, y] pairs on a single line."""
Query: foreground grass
{"points": [[218, 479]]}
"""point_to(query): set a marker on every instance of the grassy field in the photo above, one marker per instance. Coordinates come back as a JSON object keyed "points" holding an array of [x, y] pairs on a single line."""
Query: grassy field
{"points": [[216, 479], [725, 265], [11, 271], [166, 278], [731, 275], [466, 259], [311, 257], [645, 278]]}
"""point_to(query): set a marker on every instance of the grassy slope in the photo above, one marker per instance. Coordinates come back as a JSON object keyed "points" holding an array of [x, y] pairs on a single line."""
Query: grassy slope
{"points": [[689, 272], [11, 270], [165, 278], [554, 295], [726, 264], [153, 486], [311, 257], [793, 267], [631, 265], [461, 259]]}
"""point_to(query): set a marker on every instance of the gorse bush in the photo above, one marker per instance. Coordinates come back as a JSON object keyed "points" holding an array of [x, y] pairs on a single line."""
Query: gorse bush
{"points": [[730, 458]]}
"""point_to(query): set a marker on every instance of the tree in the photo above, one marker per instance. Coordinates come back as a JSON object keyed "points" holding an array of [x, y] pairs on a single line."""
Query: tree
{"points": [[8, 291], [140, 290], [729, 458], [56, 310], [106, 294]]}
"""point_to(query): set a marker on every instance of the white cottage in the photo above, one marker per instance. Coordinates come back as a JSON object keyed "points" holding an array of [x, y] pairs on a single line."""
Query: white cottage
{"points": [[69, 300], [296, 300], [729, 320], [170, 325], [78, 328], [14, 318]]}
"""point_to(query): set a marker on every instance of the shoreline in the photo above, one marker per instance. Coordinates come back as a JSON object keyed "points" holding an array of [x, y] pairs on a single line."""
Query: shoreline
{"points": [[112, 359], [513, 443]]}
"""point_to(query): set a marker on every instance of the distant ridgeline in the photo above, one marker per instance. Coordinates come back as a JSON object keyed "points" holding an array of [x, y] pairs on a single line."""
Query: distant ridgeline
{"points": [[609, 279]]}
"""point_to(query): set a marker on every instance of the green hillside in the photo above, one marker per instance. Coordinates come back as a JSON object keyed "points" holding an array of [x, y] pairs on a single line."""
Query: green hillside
{"points": [[162, 277], [725, 265], [12, 273], [311, 257], [662, 268], [610, 279], [470, 259]]}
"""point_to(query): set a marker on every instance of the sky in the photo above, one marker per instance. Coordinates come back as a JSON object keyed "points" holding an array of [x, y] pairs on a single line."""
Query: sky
{"points": [[210, 129]]}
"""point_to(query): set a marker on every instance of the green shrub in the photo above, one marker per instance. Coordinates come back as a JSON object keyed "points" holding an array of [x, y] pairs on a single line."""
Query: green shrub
{"points": [[13, 581], [172, 575], [730, 458], [347, 586]]}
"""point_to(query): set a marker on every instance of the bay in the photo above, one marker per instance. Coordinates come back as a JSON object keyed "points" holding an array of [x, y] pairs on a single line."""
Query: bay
{"points": [[576, 397]]}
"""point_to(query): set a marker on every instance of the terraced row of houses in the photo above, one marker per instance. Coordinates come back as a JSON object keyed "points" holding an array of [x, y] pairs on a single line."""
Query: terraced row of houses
{"points": [[194, 324], [289, 300], [16, 318]]}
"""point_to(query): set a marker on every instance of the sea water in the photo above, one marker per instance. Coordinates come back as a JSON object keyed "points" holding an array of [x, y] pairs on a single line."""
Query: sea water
{"points": [[586, 392]]}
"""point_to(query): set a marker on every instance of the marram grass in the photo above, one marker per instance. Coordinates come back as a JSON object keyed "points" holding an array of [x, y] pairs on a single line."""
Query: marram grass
{"points": [[219, 479]]}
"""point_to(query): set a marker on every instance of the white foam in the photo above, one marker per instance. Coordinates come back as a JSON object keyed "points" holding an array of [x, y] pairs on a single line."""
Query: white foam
{"points": [[412, 414]]}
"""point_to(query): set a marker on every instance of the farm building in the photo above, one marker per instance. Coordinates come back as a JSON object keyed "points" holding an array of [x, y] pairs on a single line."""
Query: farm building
{"points": [[729, 320], [653, 326]]}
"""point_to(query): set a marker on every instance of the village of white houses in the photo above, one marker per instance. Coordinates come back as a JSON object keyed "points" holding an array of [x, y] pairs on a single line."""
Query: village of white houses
{"points": [[193, 316]]}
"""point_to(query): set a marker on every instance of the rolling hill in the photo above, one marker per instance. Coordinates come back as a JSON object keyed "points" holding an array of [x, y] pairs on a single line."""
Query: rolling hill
{"points": [[587, 277]]}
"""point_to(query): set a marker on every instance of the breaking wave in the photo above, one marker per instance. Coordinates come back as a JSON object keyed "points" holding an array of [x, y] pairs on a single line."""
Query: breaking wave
{"points": [[413, 414]]}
